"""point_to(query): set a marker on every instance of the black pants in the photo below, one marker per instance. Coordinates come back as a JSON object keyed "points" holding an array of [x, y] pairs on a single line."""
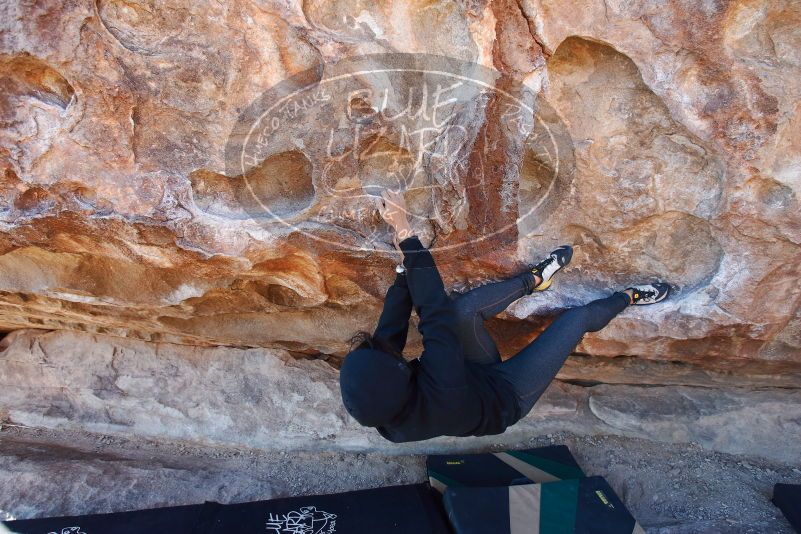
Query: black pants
{"points": [[533, 368]]}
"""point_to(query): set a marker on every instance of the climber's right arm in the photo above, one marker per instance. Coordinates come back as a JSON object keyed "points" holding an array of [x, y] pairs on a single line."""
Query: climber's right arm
{"points": [[442, 356]]}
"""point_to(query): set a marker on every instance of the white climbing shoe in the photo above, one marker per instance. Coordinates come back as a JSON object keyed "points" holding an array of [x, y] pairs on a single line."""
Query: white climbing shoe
{"points": [[649, 293]]}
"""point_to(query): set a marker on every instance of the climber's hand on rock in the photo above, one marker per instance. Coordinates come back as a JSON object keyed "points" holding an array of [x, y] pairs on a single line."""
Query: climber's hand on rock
{"points": [[392, 207]]}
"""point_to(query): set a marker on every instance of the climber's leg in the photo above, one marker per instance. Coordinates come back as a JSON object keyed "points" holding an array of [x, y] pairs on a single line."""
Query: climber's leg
{"points": [[481, 303], [534, 367]]}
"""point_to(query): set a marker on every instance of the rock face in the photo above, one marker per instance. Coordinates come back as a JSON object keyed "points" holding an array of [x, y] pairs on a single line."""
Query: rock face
{"points": [[665, 144], [266, 400], [188, 237]]}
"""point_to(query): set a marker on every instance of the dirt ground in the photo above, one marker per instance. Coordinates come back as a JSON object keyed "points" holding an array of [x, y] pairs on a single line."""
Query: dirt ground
{"points": [[670, 489]]}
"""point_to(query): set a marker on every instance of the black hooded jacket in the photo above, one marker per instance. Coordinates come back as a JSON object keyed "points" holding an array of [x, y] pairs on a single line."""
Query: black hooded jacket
{"points": [[448, 395]]}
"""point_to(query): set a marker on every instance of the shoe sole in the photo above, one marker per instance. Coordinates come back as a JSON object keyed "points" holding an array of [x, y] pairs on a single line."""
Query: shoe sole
{"points": [[545, 285]]}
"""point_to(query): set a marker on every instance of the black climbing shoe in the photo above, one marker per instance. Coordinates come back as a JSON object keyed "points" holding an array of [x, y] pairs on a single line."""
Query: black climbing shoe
{"points": [[649, 293], [548, 267]]}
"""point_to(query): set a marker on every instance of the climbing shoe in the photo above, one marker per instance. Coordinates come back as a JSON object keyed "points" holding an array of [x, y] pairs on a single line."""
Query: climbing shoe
{"points": [[649, 293], [548, 267]]}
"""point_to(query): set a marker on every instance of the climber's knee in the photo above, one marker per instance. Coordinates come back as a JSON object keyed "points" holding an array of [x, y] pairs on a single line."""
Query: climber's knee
{"points": [[463, 314]]}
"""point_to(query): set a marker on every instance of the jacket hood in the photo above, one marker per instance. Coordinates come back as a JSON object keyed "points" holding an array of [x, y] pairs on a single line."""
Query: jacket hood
{"points": [[375, 386]]}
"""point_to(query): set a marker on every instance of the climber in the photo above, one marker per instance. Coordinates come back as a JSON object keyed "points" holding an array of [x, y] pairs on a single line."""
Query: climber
{"points": [[460, 386]]}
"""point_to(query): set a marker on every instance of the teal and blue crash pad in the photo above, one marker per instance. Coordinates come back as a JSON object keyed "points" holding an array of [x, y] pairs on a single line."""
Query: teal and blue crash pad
{"points": [[577, 506], [787, 497], [544, 464]]}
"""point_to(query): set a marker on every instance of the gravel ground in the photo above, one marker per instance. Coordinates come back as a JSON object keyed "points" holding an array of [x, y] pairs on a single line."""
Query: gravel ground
{"points": [[670, 489]]}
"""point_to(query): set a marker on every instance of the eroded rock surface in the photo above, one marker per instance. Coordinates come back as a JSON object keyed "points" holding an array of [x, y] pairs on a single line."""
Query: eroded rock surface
{"points": [[178, 309], [266, 399], [672, 151]]}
